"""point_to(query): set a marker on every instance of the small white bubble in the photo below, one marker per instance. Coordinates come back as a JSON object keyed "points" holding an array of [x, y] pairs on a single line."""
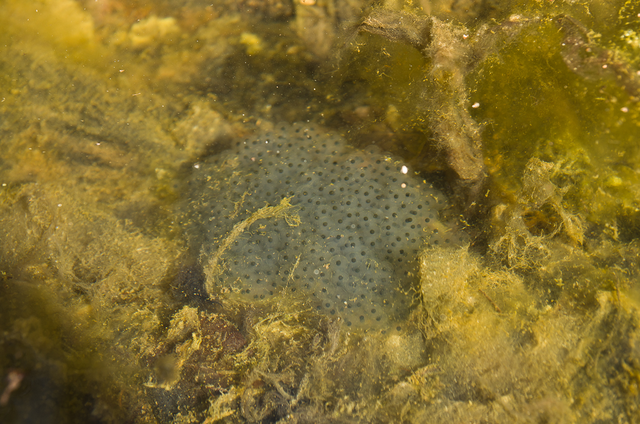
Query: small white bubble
{"points": [[196, 165], [404, 170], [475, 105], [625, 109], [316, 271]]}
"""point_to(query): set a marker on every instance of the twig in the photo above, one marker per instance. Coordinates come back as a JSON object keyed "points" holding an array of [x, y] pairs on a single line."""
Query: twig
{"points": [[490, 301]]}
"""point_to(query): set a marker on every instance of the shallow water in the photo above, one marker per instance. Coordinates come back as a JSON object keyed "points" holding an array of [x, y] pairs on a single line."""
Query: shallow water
{"points": [[122, 178]]}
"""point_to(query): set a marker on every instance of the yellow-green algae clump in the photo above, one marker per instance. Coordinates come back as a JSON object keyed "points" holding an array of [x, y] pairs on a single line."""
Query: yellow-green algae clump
{"points": [[102, 309]]}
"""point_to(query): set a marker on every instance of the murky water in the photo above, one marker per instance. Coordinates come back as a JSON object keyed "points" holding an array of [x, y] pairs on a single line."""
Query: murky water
{"points": [[148, 273]]}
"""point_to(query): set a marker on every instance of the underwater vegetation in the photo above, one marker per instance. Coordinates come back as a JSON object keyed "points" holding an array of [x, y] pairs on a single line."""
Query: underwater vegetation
{"points": [[134, 204]]}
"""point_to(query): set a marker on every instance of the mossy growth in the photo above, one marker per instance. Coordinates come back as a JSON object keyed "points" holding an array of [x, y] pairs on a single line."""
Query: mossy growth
{"points": [[81, 299], [535, 321], [567, 95]]}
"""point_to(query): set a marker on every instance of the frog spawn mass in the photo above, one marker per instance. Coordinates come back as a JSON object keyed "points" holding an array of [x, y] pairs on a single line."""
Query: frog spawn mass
{"points": [[352, 253]]}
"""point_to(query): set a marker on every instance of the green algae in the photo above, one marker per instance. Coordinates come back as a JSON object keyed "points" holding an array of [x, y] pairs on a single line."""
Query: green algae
{"points": [[583, 119], [535, 321]]}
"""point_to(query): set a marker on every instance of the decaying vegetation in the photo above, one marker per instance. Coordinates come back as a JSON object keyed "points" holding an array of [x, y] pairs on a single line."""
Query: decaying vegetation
{"points": [[103, 312], [445, 100]]}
